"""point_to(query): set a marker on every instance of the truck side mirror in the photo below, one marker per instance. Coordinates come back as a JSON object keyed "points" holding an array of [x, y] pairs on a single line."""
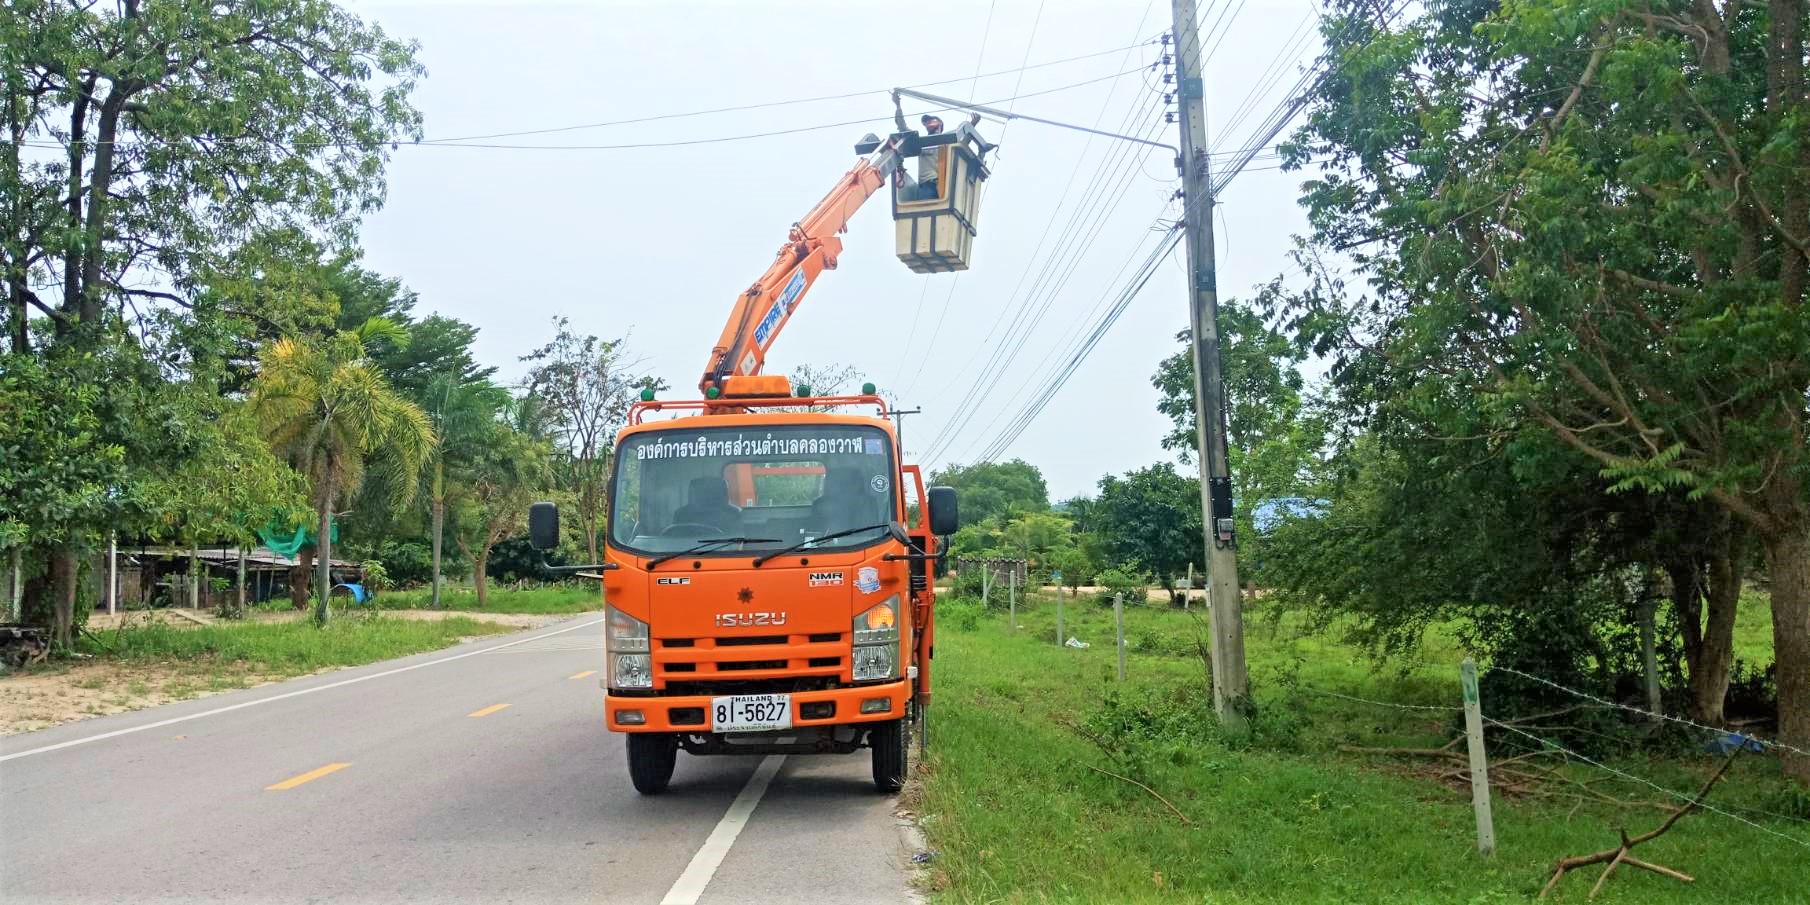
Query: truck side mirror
{"points": [[943, 513], [543, 526]]}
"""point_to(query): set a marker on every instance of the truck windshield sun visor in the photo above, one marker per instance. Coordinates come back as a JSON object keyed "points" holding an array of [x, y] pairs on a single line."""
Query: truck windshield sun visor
{"points": [[766, 488]]}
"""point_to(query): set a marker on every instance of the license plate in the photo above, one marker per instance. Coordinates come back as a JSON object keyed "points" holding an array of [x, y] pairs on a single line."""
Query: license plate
{"points": [[751, 712]]}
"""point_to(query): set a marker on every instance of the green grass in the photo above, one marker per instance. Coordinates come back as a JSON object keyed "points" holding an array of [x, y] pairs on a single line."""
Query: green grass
{"points": [[552, 599], [1279, 814], [1753, 628], [226, 649]]}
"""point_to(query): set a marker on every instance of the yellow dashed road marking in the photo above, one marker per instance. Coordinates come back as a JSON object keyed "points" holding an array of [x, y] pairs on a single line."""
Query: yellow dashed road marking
{"points": [[309, 776], [488, 710], [588, 672]]}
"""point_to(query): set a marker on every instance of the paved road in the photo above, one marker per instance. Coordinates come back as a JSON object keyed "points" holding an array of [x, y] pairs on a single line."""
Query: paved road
{"points": [[482, 773]]}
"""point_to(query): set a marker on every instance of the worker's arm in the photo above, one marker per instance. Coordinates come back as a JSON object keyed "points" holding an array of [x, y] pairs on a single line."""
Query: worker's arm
{"points": [[763, 310]]}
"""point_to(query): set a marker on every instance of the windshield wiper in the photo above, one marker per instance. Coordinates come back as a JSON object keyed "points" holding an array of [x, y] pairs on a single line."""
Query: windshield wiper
{"points": [[709, 545], [816, 540]]}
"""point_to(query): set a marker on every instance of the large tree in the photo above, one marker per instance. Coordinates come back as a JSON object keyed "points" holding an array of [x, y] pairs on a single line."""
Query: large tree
{"points": [[579, 390], [1277, 430], [1593, 219], [995, 489], [145, 143], [1149, 520]]}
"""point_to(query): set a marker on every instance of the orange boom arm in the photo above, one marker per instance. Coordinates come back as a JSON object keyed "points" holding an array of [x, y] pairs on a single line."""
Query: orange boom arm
{"points": [[810, 249]]}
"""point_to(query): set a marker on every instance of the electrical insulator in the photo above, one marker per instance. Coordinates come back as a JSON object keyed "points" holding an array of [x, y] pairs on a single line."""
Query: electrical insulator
{"points": [[1168, 78], [1169, 117], [1168, 97]]}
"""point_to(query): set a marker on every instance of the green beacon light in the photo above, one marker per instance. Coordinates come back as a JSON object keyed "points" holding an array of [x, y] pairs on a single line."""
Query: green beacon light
{"points": [[868, 389], [647, 394], [712, 392], [804, 389]]}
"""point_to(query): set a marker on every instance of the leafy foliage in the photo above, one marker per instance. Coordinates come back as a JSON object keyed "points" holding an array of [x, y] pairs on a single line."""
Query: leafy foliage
{"points": [[989, 490], [1581, 225], [1149, 521]]}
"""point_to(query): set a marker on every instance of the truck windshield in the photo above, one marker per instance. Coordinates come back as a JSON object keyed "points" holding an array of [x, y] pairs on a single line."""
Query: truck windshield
{"points": [[675, 488]]}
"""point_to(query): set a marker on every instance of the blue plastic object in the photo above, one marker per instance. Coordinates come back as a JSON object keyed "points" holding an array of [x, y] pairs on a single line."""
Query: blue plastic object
{"points": [[357, 591], [1730, 742]]}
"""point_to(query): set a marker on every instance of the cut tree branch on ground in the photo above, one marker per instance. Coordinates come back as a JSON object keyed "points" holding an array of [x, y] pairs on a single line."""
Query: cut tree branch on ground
{"points": [[1153, 793], [1619, 855]]}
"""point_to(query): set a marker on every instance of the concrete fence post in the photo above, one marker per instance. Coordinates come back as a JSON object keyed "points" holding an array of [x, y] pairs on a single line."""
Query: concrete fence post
{"points": [[1473, 732], [1118, 616], [1012, 598]]}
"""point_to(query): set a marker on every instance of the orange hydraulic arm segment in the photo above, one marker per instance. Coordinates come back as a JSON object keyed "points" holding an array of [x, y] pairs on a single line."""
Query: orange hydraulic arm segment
{"points": [[811, 248]]}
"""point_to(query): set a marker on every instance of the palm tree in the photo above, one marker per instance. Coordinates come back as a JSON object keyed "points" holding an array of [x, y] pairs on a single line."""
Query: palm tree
{"points": [[463, 413], [324, 407]]}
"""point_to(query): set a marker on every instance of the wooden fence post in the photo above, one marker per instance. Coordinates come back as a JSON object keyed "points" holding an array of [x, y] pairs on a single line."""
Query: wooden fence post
{"points": [[1473, 731]]}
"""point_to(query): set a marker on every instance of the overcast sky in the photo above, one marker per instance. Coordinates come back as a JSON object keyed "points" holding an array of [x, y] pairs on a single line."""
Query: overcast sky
{"points": [[655, 243]]}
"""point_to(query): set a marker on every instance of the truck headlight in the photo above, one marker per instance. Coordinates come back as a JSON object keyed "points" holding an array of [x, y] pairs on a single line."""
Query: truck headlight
{"points": [[631, 671], [625, 647], [876, 636]]}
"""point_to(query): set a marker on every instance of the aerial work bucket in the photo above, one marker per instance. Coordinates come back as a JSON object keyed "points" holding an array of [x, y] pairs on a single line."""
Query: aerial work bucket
{"points": [[936, 234]]}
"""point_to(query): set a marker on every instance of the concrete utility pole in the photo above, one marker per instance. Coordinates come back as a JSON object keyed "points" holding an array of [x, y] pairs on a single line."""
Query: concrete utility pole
{"points": [[898, 425], [1229, 680]]}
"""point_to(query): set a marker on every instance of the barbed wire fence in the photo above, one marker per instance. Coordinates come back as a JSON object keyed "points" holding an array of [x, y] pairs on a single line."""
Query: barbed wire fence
{"points": [[1521, 740], [1534, 758]]}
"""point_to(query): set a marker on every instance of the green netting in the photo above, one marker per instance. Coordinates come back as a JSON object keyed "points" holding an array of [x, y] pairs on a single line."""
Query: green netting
{"points": [[288, 542]]}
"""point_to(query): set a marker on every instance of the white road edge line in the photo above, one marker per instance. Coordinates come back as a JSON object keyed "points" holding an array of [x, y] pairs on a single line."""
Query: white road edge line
{"points": [[284, 696], [690, 885]]}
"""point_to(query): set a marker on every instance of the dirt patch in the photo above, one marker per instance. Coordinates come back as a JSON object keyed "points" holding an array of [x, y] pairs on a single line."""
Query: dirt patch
{"points": [[81, 689], [77, 691], [520, 620]]}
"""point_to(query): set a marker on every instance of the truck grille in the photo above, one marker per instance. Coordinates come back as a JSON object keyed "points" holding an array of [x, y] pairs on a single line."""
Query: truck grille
{"points": [[741, 659]]}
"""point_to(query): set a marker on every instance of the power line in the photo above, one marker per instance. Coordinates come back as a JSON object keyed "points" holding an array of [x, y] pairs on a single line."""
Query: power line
{"points": [[918, 312], [1029, 413], [975, 78], [451, 143], [981, 198], [1085, 219], [714, 140], [1257, 143], [970, 399], [1060, 269]]}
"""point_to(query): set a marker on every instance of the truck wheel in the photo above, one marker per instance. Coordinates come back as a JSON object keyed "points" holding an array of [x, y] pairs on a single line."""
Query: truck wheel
{"points": [[651, 756], [891, 750]]}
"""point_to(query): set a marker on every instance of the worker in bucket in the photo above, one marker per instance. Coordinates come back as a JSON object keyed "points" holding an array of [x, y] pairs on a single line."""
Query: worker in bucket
{"points": [[929, 166]]}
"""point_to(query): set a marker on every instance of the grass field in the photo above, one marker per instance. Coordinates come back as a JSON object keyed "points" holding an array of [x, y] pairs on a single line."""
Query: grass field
{"points": [[575, 597], [1278, 814], [277, 649]]}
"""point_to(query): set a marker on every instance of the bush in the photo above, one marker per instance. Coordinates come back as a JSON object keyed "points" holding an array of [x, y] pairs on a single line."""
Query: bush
{"points": [[968, 582], [1115, 581], [406, 563], [959, 613], [376, 577]]}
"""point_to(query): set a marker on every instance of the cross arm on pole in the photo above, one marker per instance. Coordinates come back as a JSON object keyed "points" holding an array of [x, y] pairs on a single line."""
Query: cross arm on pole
{"points": [[997, 113]]}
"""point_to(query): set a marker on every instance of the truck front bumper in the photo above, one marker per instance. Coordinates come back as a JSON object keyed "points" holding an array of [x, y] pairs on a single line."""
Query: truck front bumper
{"points": [[826, 707]]}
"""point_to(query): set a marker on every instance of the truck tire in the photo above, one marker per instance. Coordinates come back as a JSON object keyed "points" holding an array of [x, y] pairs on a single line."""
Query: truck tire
{"points": [[891, 752], [651, 756]]}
